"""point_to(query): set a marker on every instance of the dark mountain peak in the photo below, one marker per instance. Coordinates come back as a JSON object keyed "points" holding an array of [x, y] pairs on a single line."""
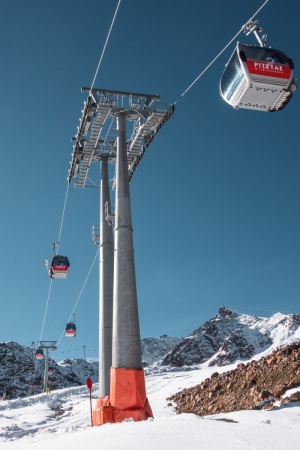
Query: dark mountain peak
{"points": [[224, 319], [225, 312], [231, 336]]}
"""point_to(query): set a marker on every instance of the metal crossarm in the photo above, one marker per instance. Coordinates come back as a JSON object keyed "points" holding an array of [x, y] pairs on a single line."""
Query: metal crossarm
{"points": [[143, 136], [143, 111], [102, 113]]}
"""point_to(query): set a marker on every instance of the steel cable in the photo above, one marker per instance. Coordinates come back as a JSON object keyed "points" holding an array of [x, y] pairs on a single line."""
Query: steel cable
{"points": [[219, 54]]}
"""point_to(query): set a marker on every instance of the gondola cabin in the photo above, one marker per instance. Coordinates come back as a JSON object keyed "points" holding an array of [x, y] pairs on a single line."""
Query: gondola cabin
{"points": [[39, 354], [71, 329], [259, 78], [50, 370], [35, 383], [59, 267]]}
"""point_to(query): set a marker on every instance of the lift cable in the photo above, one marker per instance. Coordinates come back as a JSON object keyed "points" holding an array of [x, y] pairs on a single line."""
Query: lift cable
{"points": [[219, 54], [56, 245], [63, 216], [46, 309], [81, 291], [105, 45]]}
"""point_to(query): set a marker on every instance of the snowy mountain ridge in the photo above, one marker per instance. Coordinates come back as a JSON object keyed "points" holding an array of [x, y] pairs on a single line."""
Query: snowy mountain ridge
{"points": [[226, 338], [231, 336]]}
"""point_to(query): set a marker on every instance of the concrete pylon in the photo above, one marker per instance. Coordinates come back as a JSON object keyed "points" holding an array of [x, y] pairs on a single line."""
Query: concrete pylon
{"points": [[126, 331], [127, 397], [127, 391], [106, 267]]}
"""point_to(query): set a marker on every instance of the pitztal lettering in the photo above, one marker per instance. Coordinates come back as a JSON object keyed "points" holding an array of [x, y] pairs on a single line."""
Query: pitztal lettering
{"points": [[268, 66], [268, 69]]}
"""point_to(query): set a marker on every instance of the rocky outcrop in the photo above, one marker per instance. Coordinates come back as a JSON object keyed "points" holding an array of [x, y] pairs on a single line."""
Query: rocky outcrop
{"points": [[154, 349], [256, 385]]}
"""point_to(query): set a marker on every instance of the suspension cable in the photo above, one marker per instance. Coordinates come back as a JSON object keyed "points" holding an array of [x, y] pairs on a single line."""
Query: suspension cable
{"points": [[62, 217], [46, 309], [66, 196], [104, 48], [80, 293], [56, 245], [219, 54]]}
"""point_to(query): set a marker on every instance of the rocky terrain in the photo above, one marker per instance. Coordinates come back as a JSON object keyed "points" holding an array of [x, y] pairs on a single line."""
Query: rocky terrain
{"points": [[258, 384]]}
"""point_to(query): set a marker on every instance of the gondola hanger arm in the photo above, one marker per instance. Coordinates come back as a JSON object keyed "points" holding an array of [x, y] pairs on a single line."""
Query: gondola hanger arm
{"points": [[252, 27]]}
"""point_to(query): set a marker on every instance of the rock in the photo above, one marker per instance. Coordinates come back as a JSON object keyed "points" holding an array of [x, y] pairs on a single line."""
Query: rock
{"points": [[257, 385]]}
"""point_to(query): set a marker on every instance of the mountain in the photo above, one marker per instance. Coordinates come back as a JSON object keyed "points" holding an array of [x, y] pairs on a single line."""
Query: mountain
{"points": [[226, 338], [154, 349], [230, 336], [22, 375]]}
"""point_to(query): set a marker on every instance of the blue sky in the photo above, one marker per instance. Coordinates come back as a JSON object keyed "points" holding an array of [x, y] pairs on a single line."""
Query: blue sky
{"points": [[215, 200]]}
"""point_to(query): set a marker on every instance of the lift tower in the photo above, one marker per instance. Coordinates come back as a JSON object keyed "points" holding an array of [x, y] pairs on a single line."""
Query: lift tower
{"points": [[47, 345], [116, 128]]}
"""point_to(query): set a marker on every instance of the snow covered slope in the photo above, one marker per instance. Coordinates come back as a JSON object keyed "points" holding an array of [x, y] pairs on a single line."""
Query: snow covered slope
{"points": [[61, 420]]}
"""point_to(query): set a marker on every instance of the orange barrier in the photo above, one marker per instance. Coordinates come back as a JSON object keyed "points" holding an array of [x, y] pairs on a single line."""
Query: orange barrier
{"points": [[127, 398], [100, 414]]}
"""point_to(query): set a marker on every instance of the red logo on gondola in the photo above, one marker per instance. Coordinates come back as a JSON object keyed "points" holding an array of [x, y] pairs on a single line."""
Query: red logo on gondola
{"points": [[60, 267], [268, 69]]}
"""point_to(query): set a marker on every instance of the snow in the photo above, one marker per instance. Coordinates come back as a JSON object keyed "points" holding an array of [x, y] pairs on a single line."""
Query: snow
{"points": [[35, 422]]}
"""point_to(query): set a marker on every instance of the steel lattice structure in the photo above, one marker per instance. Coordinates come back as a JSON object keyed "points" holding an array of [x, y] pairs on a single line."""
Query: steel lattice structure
{"points": [[97, 133]]}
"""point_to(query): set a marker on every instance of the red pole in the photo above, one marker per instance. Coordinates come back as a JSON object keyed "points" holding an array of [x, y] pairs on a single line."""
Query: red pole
{"points": [[89, 384]]}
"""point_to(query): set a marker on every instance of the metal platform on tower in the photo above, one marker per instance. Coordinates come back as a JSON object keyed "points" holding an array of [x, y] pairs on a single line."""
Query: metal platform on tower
{"points": [[97, 133]]}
